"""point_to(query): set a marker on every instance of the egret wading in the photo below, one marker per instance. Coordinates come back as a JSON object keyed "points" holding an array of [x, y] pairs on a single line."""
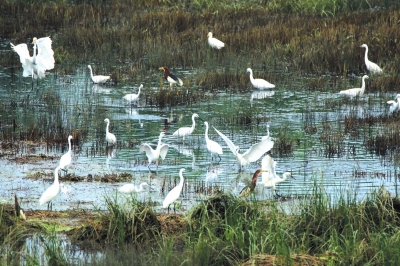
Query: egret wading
{"points": [[171, 78], [132, 97], [212, 146], [394, 105], [98, 78], [269, 177], [174, 194], [110, 137], [213, 42], [128, 188], [246, 191], [259, 83], [355, 91], [252, 154], [66, 159], [153, 155], [371, 66], [186, 131], [51, 192]]}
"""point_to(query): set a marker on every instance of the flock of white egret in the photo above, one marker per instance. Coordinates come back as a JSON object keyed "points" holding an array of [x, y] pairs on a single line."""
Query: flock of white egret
{"points": [[42, 60]]}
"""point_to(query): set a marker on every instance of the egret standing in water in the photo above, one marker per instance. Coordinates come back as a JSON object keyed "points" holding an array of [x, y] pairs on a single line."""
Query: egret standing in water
{"points": [[110, 137], [355, 91], [371, 66], [36, 65], [153, 155], [171, 78], [132, 97], [269, 176], [259, 83], [98, 78], [51, 192], [394, 105], [246, 191], [252, 154], [128, 188], [174, 194], [66, 159], [212, 146], [213, 42], [185, 131]]}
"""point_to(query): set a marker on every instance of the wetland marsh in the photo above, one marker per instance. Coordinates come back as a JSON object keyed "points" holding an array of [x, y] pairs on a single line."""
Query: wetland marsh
{"points": [[340, 150]]}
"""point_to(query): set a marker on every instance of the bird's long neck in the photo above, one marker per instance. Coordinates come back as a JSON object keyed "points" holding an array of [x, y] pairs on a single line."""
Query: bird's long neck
{"points": [[206, 131], [363, 85], [255, 176], [56, 175], [193, 123], [139, 91], [34, 54], [108, 123], [166, 73], [181, 180], [366, 54], [91, 72], [159, 142], [69, 144]]}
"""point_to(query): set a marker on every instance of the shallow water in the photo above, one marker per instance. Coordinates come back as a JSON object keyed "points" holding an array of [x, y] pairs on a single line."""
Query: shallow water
{"points": [[73, 103]]}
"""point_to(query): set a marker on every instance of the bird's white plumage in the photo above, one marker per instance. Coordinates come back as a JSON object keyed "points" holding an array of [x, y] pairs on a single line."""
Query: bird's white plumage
{"points": [[66, 159], [185, 131], [174, 194], [98, 78], [213, 42], [259, 83], [212, 146], [267, 137], [36, 65], [52, 191], [269, 177], [128, 188], [371, 66], [160, 151], [252, 154], [355, 91], [394, 105], [110, 137], [133, 96]]}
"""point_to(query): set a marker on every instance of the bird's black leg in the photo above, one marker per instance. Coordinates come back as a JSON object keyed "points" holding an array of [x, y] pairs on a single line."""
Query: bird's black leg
{"points": [[168, 208], [219, 158], [277, 195], [174, 207]]}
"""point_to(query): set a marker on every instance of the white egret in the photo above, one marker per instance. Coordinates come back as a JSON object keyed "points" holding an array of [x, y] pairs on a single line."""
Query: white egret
{"points": [[66, 159], [171, 78], [185, 131], [51, 192], [36, 65], [132, 97], [174, 194], [128, 188], [153, 155], [355, 91], [269, 177], [212, 146], [371, 66], [246, 191], [394, 105], [110, 137], [213, 42], [252, 154], [259, 83], [98, 78], [267, 137]]}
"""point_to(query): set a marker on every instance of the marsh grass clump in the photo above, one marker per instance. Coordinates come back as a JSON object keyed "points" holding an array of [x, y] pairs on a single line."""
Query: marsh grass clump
{"points": [[385, 142], [132, 222]]}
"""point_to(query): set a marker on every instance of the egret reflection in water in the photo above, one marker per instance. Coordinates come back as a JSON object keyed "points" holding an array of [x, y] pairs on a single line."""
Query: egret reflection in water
{"points": [[97, 88], [259, 95]]}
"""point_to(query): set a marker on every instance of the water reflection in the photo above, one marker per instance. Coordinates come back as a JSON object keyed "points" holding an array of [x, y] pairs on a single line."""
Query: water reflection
{"points": [[97, 88], [259, 95]]}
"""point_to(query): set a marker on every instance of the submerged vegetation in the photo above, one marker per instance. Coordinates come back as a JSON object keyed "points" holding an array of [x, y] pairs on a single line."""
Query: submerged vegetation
{"points": [[223, 230]]}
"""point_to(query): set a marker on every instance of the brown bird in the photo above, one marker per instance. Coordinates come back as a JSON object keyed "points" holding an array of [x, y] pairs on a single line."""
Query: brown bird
{"points": [[171, 78], [250, 188]]}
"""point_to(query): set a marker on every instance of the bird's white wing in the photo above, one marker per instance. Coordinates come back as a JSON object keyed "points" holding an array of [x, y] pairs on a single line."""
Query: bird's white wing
{"points": [[45, 54], [146, 148], [230, 144], [163, 150], [24, 58], [127, 188], [268, 164], [257, 150]]}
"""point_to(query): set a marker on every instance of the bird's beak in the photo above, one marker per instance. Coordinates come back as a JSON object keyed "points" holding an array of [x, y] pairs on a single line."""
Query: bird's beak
{"points": [[161, 68], [292, 177], [201, 119]]}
